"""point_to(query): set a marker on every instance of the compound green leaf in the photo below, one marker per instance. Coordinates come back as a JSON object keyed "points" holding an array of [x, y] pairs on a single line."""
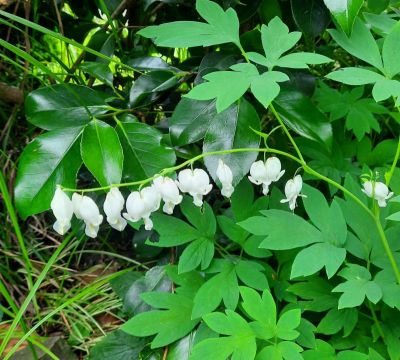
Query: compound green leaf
{"points": [[360, 44], [312, 259], [336, 320], [265, 87], [357, 287], [199, 252], [240, 341], [277, 225], [301, 60], [102, 152], [276, 40], [222, 27], [391, 52], [223, 286], [355, 76], [219, 82], [173, 231]]}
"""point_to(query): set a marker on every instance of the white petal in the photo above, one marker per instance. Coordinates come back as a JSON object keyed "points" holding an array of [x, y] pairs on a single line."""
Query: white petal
{"points": [[198, 200], [224, 173], [119, 224], [113, 204], [61, 205], [91, 230], [148, 224], [61, 227]]}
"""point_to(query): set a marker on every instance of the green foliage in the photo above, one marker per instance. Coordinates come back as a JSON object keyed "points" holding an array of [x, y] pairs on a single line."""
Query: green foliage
{"points": [[239, 277]]}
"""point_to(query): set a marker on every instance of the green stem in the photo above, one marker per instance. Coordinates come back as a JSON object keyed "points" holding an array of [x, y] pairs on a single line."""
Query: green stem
{"points": [[286, 130], [376, 320], [184, 164], [393, 167]]}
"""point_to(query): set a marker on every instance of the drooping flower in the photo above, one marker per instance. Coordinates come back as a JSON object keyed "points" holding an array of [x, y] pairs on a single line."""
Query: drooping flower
{"points": [[195, 182], [266, 172], [63, 210], [225, 176], [86, 209], [113, 206], [292, 191], [169, 193], [140, 205], [378, 190]]}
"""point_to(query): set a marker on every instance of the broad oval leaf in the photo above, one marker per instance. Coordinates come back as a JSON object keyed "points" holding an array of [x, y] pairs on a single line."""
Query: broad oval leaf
{"points": [[302, 116], [144, 151], [231, 132], [50, 159], [102, 152], [64, 105]]}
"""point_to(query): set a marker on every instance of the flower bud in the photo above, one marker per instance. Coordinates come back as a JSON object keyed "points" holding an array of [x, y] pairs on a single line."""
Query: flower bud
{"points": [[292, 191], [225, 176], [378, 190], [86, 209], [169, 193], [113, 206], [63, 210], [140, 205], [195, 182]]}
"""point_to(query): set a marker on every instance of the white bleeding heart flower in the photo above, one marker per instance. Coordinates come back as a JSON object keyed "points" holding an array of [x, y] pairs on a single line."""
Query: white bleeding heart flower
{"points": [[378, 190], [292, 191], [63, 210], [140, 205], [86, 209], [266, 172], [195, 182], [225, 176], [113, 205], [169, 193]]}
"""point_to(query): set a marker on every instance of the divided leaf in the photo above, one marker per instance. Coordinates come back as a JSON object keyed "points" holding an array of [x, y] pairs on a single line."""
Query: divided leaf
{"points": [[221, 27]]}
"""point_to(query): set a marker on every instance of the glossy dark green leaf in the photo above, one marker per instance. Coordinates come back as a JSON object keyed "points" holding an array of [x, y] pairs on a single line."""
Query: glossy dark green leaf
{"points": [[344, 12], [311, 17], [102, 152], [145, 154], [150, 63], [63, 105], [98, 70], [191, 119], [235, 131], [118, 345], [147, 88], [302, 116], [50, 159]]}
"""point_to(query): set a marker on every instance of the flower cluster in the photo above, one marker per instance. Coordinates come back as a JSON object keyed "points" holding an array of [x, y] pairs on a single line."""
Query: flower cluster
{"points": [[142, 203]]}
